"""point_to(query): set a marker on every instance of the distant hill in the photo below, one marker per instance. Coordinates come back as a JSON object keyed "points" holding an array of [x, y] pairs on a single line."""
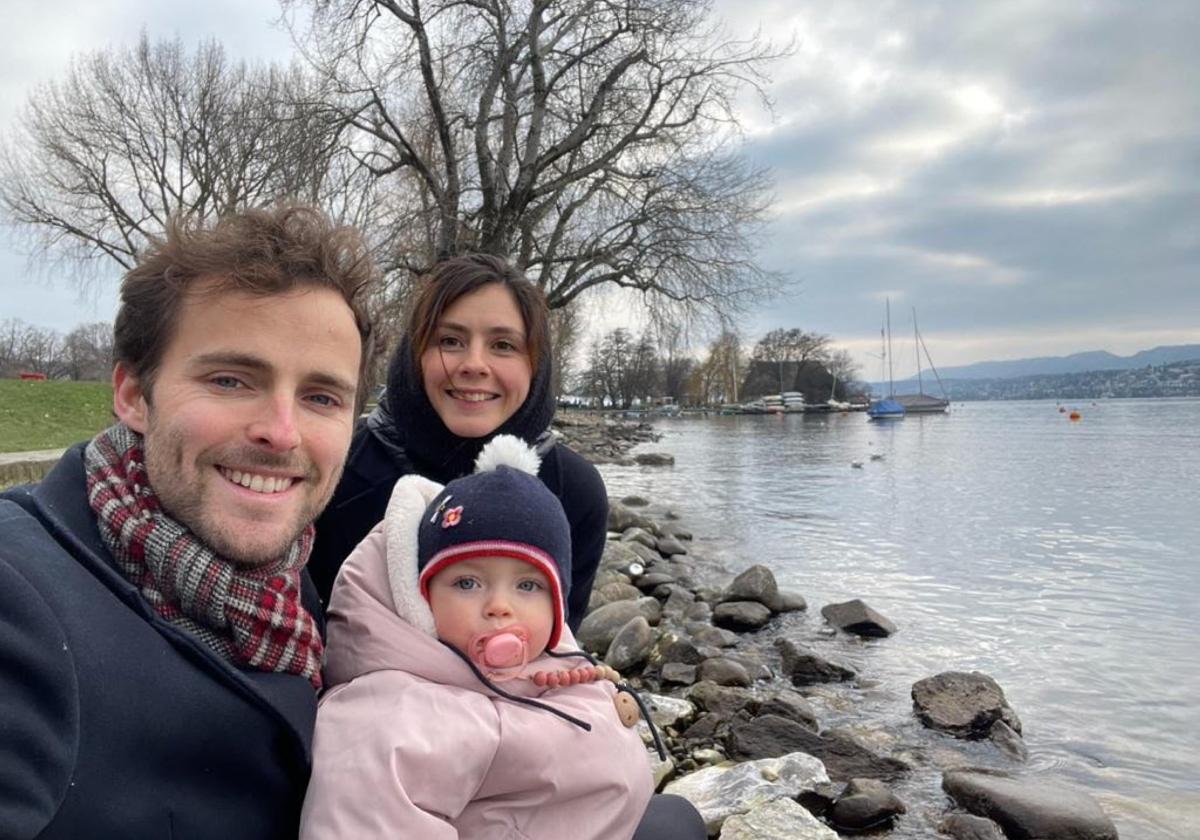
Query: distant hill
{"points": [[1093, 360]]}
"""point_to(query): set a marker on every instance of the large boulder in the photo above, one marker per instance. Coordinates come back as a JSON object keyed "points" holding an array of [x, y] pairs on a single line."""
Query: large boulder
{"points": [[722, 791], [807, 668], [965, 705], [756, 583], [788, 704], [844, 756], [779, 819], [858, 618], [741, 615], [723, 701], [601, 625], [1028, 808], [654, 459], [669, 546], [631, 645]]}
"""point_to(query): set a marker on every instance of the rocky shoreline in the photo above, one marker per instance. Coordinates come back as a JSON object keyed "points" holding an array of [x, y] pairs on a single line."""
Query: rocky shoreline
{"points": [[738, 693]]}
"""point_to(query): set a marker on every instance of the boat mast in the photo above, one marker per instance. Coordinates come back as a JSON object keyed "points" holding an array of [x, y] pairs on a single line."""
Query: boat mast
{"points": [[888, 351], [917, 350]]}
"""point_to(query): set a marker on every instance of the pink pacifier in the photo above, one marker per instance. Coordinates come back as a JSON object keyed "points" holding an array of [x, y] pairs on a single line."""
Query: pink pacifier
{"points": [[502, 653]]}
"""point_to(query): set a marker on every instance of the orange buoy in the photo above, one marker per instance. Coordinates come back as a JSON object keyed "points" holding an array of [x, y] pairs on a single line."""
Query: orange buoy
{"points": [[1075, 415]]}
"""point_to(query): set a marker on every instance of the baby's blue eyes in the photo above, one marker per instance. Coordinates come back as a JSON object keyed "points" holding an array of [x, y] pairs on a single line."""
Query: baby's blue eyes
{"points": [[529, 586], [465, 583]]}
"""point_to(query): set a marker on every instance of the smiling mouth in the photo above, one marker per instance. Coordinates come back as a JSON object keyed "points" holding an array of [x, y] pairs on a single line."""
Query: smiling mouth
{"points": [[472, 396], [258, 483]]}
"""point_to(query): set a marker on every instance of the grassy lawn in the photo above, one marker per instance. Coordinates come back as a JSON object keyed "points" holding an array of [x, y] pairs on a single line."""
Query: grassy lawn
{"points": [[50, 415]]}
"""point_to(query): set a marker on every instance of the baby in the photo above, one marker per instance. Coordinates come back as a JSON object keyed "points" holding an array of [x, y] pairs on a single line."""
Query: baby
{"points": [[459, 705]]}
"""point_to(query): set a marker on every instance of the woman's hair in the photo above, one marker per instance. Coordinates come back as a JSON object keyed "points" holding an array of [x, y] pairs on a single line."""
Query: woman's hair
{"points": [[450, 279], [259, 252]]}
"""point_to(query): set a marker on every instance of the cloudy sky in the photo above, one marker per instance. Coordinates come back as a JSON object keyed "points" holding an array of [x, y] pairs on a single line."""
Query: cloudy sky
{"points": [[1025, 173]]}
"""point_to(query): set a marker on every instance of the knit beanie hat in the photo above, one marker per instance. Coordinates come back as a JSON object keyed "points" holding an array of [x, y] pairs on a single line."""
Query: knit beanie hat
{"points": [[501, 510]]}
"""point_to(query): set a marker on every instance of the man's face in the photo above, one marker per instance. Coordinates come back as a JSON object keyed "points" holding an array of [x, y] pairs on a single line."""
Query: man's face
{"points": [[250, 416]]}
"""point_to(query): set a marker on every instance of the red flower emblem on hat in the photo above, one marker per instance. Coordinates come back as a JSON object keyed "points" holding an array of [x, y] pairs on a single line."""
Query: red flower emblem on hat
{"points": [[452, 517]]}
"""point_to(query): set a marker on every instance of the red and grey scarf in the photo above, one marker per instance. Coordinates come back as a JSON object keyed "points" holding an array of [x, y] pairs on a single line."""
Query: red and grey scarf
{"points": [[251, 616]]}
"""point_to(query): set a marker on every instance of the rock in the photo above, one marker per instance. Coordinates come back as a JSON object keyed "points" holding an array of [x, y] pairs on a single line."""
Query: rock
{"points": [[678, 601], [756, 583], [1003, 736], [741, 615], [651, 580], [651, 610], [698, 611], [791, 602], [647, 555], [635, 501], [675, 648], [669, 711], [704, 731], [640, 535], [721, 700], [708, 756], [964, 705], [601, 626], [674, 529], [856, 617], [678, 673], [621, 518], [753, 665], [660, 769], [723, 791], [654, 459], [779, 819], [669, 547], [611, 592], [865, 803], [1029, 807], [843, 755], [969, 827], [631, 645], [790, 705], [724, 671], [706, 634], [806, 668], [618, 556]]}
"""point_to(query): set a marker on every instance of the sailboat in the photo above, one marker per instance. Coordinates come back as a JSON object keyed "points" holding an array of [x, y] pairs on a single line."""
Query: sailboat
{"points": [[887, 408], [920, 402]]}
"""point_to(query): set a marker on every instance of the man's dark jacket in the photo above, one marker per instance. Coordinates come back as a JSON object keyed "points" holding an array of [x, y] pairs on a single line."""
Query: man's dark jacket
{"points": [[113, 722]]}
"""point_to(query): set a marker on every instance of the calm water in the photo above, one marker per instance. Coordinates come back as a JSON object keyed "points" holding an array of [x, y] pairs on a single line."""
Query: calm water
{"points": [[1058, 557]]}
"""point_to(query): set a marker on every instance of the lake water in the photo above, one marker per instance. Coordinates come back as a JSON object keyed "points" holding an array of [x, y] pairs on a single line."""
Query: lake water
{"points": [[1059, 557]]}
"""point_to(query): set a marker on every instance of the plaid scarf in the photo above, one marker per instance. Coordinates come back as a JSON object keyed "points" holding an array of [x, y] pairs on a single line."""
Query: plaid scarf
{"points": [[250, 616]]}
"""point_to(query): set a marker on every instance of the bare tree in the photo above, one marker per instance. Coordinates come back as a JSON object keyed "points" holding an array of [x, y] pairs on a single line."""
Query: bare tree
{"points": [[594, 141], [87, 352], [779, 359], [100, 159], [715, 380], [566, 328]]}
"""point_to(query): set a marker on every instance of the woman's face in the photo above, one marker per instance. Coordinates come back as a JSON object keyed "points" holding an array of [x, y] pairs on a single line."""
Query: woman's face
{"points": [[476, 369]]}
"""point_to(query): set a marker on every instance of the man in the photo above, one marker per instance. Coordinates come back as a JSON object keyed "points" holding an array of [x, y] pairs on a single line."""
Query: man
{"points": [[159, 654]]}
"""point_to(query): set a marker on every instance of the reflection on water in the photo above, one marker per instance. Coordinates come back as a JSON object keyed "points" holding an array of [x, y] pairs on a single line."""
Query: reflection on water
{"points": [[1058, 557]]}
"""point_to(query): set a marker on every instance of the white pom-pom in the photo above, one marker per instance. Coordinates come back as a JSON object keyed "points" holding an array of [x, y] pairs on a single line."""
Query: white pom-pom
{"points": [[508, 451]]}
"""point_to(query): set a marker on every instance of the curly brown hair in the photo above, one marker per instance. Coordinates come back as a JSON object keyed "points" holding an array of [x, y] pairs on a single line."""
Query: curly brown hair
{"points": [[266, 251]]}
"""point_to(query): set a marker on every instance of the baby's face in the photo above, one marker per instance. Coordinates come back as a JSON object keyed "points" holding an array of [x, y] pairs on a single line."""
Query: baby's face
{"points": [[486, 594]]}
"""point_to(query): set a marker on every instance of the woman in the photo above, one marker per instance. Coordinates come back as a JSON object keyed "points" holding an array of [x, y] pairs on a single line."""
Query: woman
{"points": [[474, 362]]}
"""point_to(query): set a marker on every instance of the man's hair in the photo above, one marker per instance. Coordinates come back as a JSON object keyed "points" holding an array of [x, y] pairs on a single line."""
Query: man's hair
{"points": [[453, 278], [259, 252]]}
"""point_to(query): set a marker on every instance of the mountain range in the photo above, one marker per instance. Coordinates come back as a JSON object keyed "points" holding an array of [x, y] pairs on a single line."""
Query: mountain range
{"points": [[1092, 360]]}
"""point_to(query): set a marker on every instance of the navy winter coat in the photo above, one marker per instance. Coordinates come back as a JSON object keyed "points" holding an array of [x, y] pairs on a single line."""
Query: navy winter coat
{"points": [[113, 722]]}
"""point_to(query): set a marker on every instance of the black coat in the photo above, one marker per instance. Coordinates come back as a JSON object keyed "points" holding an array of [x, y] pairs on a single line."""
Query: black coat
{"points": [[115, 723], [373, 468]]}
